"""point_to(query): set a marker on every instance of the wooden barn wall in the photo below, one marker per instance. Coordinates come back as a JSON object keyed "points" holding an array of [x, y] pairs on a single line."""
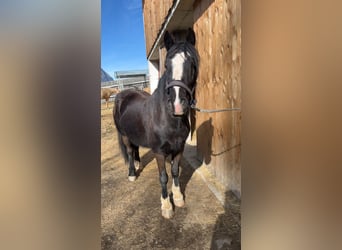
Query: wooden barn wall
{"points": [[162, 58], [155, 12], [217, 25]]}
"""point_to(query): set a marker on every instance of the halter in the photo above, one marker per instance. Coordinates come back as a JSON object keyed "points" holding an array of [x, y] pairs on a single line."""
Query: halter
{"points": [[182, 85]]}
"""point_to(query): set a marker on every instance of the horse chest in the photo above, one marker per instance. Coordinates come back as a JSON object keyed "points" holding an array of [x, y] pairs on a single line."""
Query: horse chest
{"points": [[173, 142], [173, 146]]}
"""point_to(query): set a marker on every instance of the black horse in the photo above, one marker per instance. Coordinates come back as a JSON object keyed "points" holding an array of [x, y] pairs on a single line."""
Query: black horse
{"points": [[160, 121]]}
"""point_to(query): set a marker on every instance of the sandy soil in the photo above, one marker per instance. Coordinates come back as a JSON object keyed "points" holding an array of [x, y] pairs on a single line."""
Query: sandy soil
{"points": [[131, 215]]}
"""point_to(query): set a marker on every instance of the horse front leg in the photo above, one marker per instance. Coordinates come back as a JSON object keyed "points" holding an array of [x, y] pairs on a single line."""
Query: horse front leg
{"points": [[166, 206], [177, 195]]}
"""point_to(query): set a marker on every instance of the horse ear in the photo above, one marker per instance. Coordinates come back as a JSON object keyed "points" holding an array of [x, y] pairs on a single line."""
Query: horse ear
{"points": [[168, 40], [191, 38]]}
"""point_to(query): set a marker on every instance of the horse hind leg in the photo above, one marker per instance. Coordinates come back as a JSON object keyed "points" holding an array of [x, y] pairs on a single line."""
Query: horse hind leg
{"points": [[130, 153], [136, 157], [177, 195]]}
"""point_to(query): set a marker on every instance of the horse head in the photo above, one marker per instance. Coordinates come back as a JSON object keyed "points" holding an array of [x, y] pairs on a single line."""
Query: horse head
{"points": [[181, 70]]}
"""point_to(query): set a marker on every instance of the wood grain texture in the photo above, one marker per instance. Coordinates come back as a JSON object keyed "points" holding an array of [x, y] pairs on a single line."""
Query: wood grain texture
{"points": [[217, 25], [218, 32], [155, 12]]}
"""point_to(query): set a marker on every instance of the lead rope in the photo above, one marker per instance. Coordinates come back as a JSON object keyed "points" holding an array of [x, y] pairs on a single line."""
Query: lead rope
{"points": [[193, 106]]}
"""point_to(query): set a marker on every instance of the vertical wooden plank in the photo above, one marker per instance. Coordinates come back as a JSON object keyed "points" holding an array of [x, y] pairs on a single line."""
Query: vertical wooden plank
{"points": [[218, 29], [162, 58], [155, 12]]}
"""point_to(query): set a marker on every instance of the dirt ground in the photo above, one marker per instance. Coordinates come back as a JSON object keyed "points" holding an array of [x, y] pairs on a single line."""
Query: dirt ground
{"points": [[131, 214]]}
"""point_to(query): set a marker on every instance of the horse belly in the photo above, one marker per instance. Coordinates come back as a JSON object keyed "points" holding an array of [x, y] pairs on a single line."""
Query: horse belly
{"points": [[133, 127]]}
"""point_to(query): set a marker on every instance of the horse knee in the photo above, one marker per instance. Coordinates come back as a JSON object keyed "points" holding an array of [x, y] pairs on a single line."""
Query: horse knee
{"points": [[175, 174], [163, 178]]}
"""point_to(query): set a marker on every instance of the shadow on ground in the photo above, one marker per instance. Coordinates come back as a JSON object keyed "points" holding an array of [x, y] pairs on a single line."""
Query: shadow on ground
{"points": [[131, 215], [227, 230]]}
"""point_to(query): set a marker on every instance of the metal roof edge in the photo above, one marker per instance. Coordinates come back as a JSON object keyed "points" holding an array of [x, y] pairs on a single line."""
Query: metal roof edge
{"points": [[164, 25]]}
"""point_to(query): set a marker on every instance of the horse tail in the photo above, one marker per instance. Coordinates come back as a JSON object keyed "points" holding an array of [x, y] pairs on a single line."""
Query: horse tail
{"points": [[123, 148], [117, 116]]}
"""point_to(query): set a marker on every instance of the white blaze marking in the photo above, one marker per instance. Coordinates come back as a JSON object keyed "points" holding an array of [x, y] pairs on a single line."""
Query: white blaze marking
{"points": [[177, 66], [177, 73], [177, 100]]}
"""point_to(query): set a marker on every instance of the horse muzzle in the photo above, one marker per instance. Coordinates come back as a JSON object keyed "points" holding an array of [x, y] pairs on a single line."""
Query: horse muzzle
{"points": [[179, 110], [178, 105]]}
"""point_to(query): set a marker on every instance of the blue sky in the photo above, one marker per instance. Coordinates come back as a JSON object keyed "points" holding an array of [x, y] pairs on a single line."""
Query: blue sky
{"points": [[122, 36]]}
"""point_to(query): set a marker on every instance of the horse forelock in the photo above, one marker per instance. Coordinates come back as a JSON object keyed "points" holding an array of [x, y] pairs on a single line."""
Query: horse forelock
{"points": [[185, 47], [177, 56]]}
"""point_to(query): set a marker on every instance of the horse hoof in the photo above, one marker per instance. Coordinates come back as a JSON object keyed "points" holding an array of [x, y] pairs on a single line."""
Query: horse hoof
{"points": [[132, 178], [166, 207], [167, 213], [178, 198], [179, 202]]}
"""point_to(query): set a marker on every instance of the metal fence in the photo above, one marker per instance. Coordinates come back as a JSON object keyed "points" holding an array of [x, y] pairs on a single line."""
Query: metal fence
{"points": [[122, 84], [125, 81]]}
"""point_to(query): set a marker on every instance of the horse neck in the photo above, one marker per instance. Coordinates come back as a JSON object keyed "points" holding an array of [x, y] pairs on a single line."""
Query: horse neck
{"points": [[157, 100], [159, 94]]}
